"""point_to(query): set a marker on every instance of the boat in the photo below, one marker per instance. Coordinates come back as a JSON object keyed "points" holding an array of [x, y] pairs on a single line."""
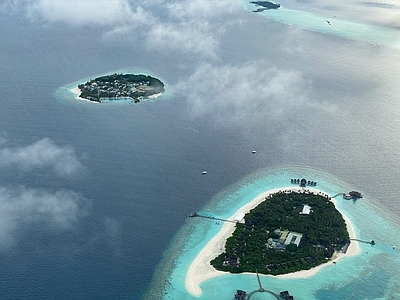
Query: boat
{"points": [[254, 151], [204, 172]]}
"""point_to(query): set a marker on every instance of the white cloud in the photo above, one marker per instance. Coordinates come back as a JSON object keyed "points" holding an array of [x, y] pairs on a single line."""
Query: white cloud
{"points": [[184, 26], [73, 12], [194, 37], [187, 26], [43, 153], [193, 26], [201, 8], [59, 210], [249, 91]]}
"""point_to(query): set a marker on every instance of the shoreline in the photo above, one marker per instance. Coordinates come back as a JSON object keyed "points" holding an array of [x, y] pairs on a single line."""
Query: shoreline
{"points": [[201, 270], [154, 96], [77, 92]]}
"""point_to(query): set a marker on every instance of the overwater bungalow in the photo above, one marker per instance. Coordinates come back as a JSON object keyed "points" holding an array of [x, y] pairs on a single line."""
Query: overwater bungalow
{"points": [[355, 194], [352, 195], [285, 295], [239, 295]]}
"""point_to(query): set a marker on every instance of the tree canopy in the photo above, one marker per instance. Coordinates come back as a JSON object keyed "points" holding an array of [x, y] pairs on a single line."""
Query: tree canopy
{"points": [[251, 246], [134, 86]]}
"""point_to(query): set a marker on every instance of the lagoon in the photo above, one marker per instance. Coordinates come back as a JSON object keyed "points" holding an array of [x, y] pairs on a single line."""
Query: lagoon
{"points": [[310, 18], [332, 281], [311, 104]]}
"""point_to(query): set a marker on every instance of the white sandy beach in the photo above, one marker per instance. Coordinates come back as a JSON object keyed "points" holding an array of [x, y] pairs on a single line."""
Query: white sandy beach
{"points": [[155, 96], [77, 92], [200, 270]]}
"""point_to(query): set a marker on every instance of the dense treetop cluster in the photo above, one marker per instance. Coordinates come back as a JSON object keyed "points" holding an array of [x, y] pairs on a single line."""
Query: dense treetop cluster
{"points": [[117, 86], [257, 244]]}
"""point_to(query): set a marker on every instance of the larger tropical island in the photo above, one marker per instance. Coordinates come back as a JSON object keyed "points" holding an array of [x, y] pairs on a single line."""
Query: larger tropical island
{"points": [[287, 232], [136, 87]]}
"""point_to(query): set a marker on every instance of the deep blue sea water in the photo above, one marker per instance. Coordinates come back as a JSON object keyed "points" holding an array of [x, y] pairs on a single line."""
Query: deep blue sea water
{"points": [[116, 226]]}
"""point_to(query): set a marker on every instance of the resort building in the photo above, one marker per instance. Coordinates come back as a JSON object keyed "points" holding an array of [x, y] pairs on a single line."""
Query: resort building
{"points": [[239, 217], [286, 237], [306, 210], [283, 235], [293, 238]]}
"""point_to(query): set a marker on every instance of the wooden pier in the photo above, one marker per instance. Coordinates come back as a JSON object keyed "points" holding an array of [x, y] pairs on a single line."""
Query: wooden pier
{"points": [[194, 215], [241, 295], [372, 242]]}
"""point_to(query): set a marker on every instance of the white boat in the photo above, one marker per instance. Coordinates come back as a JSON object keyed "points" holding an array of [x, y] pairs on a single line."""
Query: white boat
{"points": [[204, 172], [254, 151]]}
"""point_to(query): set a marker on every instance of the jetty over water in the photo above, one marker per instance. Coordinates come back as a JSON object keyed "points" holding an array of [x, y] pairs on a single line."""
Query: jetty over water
{"points": [[304, 182], [351, 195], [372, 242], [193, 215], [242, 295]]}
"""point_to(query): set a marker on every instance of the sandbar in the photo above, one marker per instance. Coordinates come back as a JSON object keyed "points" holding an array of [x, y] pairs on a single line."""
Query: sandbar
{"points": [[201, 270], [154, 96]]}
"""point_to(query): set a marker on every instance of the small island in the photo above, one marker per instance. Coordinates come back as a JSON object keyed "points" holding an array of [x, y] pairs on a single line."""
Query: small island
{"points": [[265, 5], [121, 86], [287, 232]]}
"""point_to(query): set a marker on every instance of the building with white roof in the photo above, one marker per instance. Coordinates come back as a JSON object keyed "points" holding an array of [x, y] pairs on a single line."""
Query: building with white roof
{"points": [[293, 238], [239, 217], [306, 210]]}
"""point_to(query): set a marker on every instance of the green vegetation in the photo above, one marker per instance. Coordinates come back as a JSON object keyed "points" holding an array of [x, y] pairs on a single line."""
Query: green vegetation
{"points": [[266, 5], [136, 87], [258, 243]]}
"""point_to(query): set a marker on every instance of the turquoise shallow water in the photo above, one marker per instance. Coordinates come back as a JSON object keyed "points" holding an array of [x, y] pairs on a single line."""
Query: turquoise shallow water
{"points": [[328, 24], [143, 162], [368, 275]]}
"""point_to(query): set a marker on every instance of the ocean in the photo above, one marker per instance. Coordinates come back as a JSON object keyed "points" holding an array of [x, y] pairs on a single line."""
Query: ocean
{"points": [[94, 199]]}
